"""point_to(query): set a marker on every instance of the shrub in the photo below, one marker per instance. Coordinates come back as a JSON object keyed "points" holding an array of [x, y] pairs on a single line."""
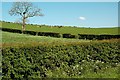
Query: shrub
{"points": [[70, 60], [30, 32], [11, 30], [68, 36]]}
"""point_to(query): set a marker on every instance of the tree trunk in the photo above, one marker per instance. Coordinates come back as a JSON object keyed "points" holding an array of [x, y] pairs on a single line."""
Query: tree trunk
{"points": [[23, 25]]}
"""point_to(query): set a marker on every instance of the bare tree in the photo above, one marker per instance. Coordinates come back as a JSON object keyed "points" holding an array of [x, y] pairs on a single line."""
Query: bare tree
{"points": [[25, 10]]}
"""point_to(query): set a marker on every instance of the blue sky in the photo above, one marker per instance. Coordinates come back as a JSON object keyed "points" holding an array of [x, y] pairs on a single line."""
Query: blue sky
{"points": [[86, 14], [62, 0]]}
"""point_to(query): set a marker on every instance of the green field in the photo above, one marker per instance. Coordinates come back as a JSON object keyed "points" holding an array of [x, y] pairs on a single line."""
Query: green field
{"points": [[15, 38], [64, 29]]}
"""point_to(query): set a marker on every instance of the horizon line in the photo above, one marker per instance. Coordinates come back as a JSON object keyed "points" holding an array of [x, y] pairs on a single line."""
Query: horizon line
{"points": [[68, 25]]}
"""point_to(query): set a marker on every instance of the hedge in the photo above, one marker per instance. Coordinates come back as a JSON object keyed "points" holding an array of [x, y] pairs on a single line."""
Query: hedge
{"points": [[30, 32], [11, 30], [51, 34], [68, 60], [68, 36], [58, 35], [97, 37]]}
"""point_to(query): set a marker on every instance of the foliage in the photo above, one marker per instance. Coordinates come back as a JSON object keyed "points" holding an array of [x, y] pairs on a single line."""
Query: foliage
{"points": [[61, 61]]}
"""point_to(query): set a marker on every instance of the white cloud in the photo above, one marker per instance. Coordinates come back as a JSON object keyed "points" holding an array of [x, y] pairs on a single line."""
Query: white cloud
{"points": [[82, 18]]}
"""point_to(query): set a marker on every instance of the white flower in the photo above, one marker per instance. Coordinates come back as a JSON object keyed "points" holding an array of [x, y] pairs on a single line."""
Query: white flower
{"points": [[102, 62], [88, 55], [81, 67], [77, 65], [97, 61], [83, 60], [79, 73]]}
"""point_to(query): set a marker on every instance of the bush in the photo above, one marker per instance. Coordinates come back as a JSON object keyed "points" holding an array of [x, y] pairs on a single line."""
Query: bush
{"points": [[30, 32], [68, 60], [11, 30], [68, 36], [97, 37], [51, 34]]}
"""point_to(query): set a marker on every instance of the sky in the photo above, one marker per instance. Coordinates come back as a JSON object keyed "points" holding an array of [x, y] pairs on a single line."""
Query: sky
{"points": [[62, 0], [81, 14]]}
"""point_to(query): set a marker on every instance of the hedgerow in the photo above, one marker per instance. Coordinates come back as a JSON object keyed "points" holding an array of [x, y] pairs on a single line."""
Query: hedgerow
{"points": [[56, 61], [59, 35]]}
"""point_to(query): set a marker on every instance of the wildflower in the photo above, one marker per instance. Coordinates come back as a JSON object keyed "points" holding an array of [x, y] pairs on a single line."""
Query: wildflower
{"points": [[102, 62], [81, 67], [97, 61], [83, 60], [79, 73], [92, 60], [88, 55]]}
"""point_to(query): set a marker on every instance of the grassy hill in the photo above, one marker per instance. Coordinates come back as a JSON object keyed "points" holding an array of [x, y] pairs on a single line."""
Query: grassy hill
{"points": [[63, 29]]}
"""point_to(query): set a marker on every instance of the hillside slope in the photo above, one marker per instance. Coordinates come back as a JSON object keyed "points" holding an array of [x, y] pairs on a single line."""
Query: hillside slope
{"points": [[63, 29]]}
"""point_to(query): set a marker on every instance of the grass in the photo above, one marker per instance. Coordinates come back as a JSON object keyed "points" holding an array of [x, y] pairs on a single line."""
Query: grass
{"points": [[105, 73], [23, 39], [71, 30], [108, 73], [15, 39]]}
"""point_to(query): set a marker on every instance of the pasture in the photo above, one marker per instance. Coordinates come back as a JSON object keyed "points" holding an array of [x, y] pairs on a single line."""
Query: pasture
{"points": [[15, 39], [63, 29]]}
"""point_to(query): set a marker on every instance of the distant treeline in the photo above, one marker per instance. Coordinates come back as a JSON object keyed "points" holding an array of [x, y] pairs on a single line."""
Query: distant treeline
{"points": [[59, 35], [42, 25]]}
